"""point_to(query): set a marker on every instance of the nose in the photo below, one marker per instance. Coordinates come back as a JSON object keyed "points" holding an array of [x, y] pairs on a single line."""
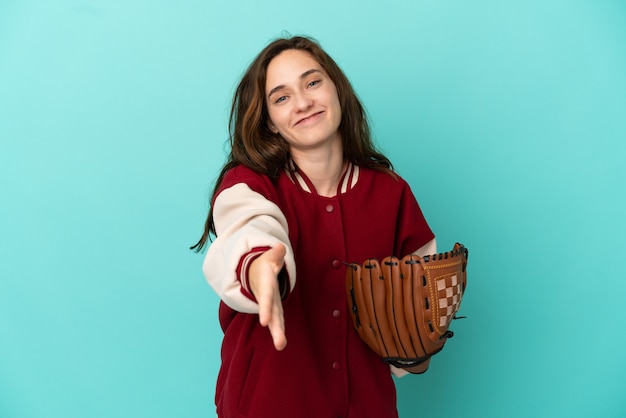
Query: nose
{"points": [[303, 102]]}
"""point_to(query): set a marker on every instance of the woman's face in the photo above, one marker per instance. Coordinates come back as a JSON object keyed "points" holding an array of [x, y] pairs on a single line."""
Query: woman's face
{"points": [[302, 101]]}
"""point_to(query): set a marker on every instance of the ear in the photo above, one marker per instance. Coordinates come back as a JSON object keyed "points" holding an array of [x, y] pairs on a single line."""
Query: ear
{"points": [[272, 127]]}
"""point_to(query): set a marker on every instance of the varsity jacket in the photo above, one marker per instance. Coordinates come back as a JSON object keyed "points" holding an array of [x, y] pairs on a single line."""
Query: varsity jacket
{"points": [[325, 369]]}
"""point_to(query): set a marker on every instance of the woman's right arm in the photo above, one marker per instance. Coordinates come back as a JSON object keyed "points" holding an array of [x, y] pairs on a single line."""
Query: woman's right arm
{"points": [[247, 225]]}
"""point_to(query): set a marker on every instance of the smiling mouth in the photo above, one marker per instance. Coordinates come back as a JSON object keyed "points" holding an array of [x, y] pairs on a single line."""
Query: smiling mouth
{"points": [[308, 118]]}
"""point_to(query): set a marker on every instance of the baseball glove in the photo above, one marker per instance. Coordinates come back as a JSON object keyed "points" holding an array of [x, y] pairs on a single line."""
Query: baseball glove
{"points": [[402, 308]]}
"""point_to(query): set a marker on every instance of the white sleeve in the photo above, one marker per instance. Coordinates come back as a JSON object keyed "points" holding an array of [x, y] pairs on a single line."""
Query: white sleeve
{"points": [[244, 220], [398, 372], [427, 249]]}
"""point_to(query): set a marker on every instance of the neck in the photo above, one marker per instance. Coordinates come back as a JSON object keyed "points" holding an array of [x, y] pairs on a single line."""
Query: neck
{"points": [[323, 167]]}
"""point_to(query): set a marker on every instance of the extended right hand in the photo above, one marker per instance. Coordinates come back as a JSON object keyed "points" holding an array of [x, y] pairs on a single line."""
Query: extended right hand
{"points": [[263, 279]]}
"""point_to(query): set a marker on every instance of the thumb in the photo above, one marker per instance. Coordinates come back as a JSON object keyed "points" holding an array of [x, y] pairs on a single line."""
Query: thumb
{"points": [[276, 255]]}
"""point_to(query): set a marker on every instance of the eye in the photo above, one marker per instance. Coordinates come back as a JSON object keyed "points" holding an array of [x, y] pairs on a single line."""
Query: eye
{"points": [[314, 83], [280, 99]]}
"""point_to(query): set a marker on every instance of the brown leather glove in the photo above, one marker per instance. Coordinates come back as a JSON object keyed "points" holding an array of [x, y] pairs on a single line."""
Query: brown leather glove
{"points": [[402, 309]]}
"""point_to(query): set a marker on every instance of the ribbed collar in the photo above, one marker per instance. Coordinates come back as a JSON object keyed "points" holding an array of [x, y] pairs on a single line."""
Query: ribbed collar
{"points": [[348, 180]]}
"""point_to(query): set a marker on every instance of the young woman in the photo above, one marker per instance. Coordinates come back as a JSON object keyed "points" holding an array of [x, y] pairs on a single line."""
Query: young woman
{"points": [[303, 191]]}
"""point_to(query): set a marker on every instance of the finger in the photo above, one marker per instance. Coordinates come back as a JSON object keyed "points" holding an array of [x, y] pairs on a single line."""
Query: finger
{"points": [[263, 278], [276, 326], [266, 302], [271, 315]]}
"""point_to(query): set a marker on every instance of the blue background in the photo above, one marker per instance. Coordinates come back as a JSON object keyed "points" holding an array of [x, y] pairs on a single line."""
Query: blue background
{"points": [[507, 118]]}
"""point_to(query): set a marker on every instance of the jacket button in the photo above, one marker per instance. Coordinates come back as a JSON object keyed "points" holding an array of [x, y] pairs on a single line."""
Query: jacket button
{"points": [[330, 208], [336, 313], [336, 264], [336, 365]]}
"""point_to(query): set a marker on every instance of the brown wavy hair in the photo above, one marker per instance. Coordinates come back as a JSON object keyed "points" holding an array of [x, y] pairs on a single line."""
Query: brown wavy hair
{"points": [[254, 145]]}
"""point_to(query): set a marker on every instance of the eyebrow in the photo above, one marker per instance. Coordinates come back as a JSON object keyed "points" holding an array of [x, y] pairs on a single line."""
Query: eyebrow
{"points": [[302, 76]]}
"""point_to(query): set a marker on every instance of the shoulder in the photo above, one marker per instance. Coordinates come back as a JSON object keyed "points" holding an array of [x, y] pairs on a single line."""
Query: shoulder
{"points": [[251, 180], [388, 179], [241, 174]]}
